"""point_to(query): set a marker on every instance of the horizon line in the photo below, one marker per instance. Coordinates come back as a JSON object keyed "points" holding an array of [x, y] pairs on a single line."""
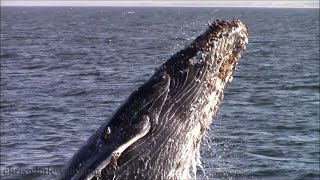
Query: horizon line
{"points": [[243, 4]]}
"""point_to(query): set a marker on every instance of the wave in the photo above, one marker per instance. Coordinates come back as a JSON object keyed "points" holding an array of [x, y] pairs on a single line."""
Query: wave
{"points": [[301, 87]]}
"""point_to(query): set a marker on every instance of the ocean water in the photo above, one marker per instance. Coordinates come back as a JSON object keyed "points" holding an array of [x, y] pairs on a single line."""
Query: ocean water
{"points": [[65, 70]]}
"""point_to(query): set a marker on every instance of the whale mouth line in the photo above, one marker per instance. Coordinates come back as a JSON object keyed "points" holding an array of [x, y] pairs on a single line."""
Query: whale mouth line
{"points": [[168, 115]]}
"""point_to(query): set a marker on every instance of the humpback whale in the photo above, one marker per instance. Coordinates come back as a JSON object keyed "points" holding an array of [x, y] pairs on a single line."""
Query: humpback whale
{"points": [[156, 133]]}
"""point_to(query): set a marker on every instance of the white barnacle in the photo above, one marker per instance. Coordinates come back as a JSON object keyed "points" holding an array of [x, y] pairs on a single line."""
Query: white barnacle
{"points": [[203, 55], [230, 79]]}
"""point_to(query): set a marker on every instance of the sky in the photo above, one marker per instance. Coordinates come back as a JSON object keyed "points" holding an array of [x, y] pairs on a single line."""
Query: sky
{"points": [[169, 3]]}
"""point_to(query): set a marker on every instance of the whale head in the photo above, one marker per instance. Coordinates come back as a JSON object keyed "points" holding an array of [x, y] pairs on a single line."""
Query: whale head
{"points": [[156, 133]]}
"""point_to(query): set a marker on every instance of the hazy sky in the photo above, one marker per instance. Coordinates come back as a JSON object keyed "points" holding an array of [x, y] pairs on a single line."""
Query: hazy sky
{"points": [[176, 3]]}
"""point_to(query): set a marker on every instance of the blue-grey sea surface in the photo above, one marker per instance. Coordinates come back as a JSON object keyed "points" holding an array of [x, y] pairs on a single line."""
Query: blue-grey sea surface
{"points": [[64, 70]]}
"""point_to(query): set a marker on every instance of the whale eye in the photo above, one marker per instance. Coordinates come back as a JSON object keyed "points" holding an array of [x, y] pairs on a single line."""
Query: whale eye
{"points": [[162, 77]]}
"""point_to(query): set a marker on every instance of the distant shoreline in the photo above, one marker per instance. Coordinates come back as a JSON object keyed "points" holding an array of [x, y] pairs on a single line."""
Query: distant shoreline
{"points": [[199, 4], [242, 7]]}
